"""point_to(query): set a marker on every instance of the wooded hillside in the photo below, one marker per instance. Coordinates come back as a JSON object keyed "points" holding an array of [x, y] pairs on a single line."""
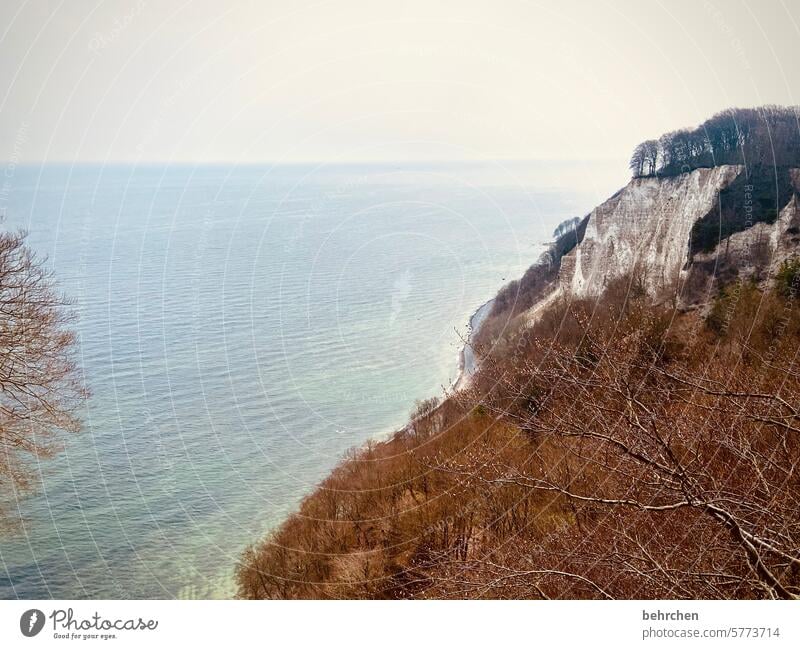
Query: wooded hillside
{"points": [[614, 450]]}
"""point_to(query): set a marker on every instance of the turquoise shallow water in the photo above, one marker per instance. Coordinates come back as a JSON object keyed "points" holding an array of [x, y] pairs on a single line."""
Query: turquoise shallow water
{"points": [[240, 329]]}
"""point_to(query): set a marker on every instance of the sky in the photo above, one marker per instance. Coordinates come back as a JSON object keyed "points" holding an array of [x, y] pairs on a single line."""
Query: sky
{"points": [[291, 81]]}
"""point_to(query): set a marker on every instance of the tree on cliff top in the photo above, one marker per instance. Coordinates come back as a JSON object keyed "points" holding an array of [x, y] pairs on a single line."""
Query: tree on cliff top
{"points": [[769, 135]]}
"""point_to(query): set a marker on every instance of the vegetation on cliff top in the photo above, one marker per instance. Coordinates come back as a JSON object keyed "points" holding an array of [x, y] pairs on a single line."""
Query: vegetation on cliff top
{"points": [[765, 141], [769, 135]]}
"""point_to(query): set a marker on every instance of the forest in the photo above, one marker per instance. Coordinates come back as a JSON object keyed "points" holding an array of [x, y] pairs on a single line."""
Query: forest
{"points": [[616, 449], [765, 136]]}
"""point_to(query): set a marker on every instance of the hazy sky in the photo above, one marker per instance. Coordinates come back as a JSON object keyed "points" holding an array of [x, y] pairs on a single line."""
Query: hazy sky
{"points": [[379, 80]]}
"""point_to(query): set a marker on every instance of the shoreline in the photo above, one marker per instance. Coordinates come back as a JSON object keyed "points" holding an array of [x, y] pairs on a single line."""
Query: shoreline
{"points": [[467, 363]]}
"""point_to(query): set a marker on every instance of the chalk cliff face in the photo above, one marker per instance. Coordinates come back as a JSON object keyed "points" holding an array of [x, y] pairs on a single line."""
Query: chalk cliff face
{"points": [[759, 250], [646, 228]]}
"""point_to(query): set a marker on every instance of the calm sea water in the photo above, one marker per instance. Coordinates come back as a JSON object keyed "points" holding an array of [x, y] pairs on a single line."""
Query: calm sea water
{"points": [[240, 329]]}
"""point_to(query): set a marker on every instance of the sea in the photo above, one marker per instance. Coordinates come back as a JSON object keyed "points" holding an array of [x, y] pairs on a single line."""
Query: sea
{"points": [[240, 328]]}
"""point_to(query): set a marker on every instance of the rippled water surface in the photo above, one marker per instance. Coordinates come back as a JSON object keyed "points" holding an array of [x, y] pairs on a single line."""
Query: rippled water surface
{"points": [[240, 329]]}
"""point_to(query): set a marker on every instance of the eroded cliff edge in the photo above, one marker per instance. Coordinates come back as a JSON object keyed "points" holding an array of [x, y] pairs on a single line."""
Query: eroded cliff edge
{"points": [[679, 237]]}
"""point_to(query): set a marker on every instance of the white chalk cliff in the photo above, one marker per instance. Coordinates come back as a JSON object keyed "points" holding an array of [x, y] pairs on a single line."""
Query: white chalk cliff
{"points": [[646, 227], [760, 249]]}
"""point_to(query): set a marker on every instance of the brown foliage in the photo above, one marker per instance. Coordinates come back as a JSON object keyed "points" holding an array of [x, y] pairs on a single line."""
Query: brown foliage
{"points": [[615, 450], [39, 387]]}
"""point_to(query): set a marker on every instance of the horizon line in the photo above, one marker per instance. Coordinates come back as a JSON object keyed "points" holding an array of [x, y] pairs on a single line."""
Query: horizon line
{"points": [[304, 162]]}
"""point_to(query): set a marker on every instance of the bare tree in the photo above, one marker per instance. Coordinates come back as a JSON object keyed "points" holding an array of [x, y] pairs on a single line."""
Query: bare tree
{"points": [[40, 390], [681, 484], [651, 156], [637, 161], [613, 449], [769, 135]]}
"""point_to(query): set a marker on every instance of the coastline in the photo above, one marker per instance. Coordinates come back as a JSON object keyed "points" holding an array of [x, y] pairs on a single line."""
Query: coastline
{"points": [[467, 366], [467, 362]]}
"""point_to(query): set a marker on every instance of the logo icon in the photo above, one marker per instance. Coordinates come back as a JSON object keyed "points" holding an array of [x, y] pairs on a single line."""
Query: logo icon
{"points": [[31, 622]]}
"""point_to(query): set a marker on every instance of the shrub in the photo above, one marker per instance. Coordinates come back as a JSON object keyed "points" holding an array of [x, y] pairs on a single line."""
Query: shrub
{"points": [[787, 280]]}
